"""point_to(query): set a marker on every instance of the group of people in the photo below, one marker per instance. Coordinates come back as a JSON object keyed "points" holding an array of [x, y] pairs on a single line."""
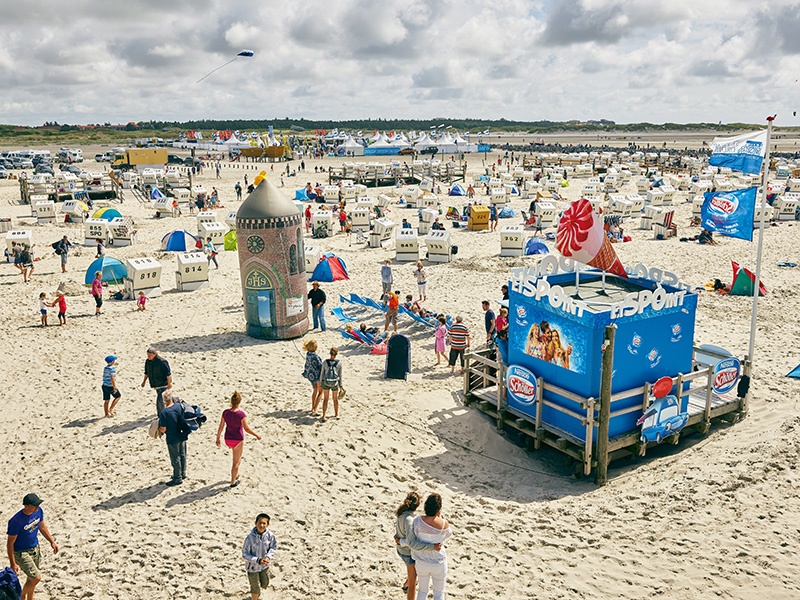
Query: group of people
{"points": [[544, 342], [22, 256], [325, 377]]}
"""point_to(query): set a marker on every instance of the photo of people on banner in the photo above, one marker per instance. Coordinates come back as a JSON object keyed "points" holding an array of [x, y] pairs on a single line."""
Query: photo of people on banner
{"points": [[544, 341]]}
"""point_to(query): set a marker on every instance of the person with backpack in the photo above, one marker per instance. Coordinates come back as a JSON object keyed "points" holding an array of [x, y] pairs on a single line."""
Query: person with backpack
{"points": [[234, 422], [62, 249], [330, 379], [170, 423], [25, 262]]}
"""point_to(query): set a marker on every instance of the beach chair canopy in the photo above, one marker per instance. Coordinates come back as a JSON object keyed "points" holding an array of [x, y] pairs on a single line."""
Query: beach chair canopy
{"points": [[107, 214], [179, 240], [330, 268], [114, 271]]}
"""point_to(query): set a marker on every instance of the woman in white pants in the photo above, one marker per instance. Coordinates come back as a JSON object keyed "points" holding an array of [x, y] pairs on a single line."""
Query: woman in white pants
{"points": [[431, 564]]}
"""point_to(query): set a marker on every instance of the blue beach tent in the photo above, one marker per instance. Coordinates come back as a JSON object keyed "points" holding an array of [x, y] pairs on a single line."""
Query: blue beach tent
{"points": [[535, 246], [794, 373], [300, 194], [506, 213], [330, 268], [457, 190], [114, 271], [179, 240]]}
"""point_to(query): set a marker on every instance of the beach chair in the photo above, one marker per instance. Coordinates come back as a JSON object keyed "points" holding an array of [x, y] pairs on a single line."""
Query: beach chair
{"points": [[667, 228], [338, 312], [345, 300], [373, 339], [372, 304], [356, 299]]}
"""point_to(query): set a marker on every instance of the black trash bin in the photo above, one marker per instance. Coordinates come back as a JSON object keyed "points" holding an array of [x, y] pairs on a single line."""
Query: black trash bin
{"points": [[398, 357]]}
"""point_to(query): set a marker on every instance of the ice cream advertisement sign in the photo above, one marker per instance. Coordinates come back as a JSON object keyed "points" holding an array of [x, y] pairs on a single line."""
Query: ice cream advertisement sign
{"points": [[726, 375], [521, 388]]}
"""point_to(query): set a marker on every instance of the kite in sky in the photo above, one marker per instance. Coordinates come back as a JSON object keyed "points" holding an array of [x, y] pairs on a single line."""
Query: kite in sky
{"points": [[245, 53]]}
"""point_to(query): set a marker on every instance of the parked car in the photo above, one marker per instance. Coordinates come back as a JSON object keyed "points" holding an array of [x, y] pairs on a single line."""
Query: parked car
{"points": [[174, 159], [407, 152], [3, 173], [44, 167], [71, 168], [23, 163], [429, 150], [188, 161]]}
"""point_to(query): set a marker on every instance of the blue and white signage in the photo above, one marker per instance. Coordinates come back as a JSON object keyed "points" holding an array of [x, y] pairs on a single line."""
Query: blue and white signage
{"points": [[726, 375], [521, 386]]}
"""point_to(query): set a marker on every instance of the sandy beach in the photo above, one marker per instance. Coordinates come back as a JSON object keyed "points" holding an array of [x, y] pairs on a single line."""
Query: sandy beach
{"points": [[714, 517]]}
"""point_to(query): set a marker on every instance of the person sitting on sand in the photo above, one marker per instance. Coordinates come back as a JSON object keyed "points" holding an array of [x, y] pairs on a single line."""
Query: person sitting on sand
{"points": [[706, 238]]}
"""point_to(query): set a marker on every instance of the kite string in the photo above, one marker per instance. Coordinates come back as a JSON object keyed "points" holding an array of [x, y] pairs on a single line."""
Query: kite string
{"points": [[217, 69]]}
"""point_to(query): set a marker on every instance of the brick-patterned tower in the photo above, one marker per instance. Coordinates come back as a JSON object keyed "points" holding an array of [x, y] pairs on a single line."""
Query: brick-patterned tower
{"points": [[269, 232]]}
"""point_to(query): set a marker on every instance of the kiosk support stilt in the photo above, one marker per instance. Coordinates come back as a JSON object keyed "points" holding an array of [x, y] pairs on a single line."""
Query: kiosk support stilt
{"points": [[601, 472]]}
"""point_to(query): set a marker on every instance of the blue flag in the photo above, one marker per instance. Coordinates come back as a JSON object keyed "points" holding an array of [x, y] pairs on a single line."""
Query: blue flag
{"points": [[730, 213], [743, 153]]}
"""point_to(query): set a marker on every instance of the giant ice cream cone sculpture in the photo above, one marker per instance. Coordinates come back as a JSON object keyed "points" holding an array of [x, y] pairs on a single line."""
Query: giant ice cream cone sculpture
{"points": [[581, 236]]}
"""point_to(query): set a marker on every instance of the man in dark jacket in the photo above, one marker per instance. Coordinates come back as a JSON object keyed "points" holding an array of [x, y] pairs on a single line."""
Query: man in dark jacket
{"points": [[316, 297], [157, 371], [170, 422]]}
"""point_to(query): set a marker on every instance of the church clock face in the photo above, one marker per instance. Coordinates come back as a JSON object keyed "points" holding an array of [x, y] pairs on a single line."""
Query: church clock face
{"points": [[255, 244]]}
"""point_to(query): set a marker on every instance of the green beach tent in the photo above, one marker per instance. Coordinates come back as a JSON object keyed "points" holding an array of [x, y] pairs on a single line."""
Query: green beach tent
{"points": [[230, 240]]}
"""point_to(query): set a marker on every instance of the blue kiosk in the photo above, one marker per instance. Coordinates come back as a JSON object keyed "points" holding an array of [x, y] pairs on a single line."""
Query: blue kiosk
{"points": [[552, 382]]}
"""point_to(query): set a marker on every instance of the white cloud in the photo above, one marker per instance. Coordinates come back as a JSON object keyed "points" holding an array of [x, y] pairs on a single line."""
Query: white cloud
{"points": [[625, 60]]}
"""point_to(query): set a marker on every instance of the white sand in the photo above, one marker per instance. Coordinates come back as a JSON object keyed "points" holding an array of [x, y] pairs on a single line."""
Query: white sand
{"points": [[712, 517]]}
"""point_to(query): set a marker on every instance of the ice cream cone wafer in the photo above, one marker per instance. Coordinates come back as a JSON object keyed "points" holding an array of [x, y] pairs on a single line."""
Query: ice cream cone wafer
{"points": [[606, 259]]}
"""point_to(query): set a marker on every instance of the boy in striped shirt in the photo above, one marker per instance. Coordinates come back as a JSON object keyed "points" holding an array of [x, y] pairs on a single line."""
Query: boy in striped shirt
{"points": [[110, 385], [459, 342]]}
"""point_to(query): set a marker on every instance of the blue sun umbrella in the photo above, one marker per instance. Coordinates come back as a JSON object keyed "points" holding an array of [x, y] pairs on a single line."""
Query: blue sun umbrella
{"points": [[179, 240], [114, 271]]}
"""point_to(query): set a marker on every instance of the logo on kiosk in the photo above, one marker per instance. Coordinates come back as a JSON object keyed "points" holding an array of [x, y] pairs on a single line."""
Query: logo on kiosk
{"points": [[636, 342], [521, 385], [726, 375], [676, 332]]}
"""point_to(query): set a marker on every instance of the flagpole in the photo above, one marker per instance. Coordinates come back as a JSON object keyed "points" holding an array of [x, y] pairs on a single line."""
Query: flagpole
{"points": [[757, 284]]}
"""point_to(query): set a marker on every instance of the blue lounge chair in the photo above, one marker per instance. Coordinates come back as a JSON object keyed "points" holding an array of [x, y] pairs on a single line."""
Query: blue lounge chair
{"points": [[345, 300], [356, 299], [338, 312], [372, 304]]}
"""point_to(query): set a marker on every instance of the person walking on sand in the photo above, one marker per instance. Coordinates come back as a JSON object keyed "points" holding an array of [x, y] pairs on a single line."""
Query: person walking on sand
{"points": [[330, 380], [23, 542], [97, 292], [431, 563], [61, 302], [258, 549], [386, 277], [392, 308], [101, 249], [109, 386], [405, 540], [311, 371], [459, 342], [439, 343], [26, 262], [158, 373], [169, 423], [422, 282], [211, 253], [234, 422]]}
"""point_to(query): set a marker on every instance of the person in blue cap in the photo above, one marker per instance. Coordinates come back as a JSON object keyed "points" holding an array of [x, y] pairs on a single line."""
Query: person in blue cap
{"points": [[110, 385], [23, 542]]}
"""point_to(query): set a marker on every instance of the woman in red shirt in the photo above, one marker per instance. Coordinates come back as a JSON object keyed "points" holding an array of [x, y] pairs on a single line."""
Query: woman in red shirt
{"points": [[234, 422]]}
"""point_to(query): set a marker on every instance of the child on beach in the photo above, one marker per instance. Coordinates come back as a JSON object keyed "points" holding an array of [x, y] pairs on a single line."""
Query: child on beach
{"points": [[258, 549], [441, 338], [141, 301], [43, 308], [61, 302], [109, 386]]}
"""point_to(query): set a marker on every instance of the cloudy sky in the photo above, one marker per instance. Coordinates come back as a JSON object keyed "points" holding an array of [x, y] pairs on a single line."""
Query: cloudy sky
{"points": [[87, 61]]}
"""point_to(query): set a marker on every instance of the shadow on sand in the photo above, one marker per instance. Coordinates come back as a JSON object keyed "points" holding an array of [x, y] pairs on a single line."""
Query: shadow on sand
{"points": [[133, 497]]}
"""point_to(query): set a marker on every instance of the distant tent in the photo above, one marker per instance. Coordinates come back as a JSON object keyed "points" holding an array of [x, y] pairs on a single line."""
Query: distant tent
{"points": [[536, 246], [230, 242], [107, 214], [457, 190], [156, 194], [114, 271], [300, 194], [330, 268], [743, 282], [178, 241], [506, 213], [794, 373]]}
